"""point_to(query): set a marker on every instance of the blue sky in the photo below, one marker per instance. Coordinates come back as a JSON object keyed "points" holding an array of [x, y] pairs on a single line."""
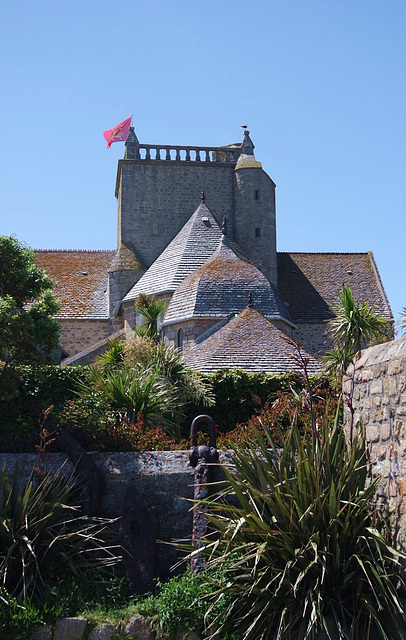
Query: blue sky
{"points": [[321, 84]]}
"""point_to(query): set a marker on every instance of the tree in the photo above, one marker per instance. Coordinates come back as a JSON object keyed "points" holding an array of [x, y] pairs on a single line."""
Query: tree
{"points": [[352, 327], [28, 331]]}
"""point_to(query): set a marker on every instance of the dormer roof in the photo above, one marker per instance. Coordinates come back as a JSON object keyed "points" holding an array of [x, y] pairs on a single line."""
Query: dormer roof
{"points": [[251, 342], [190, 249], [221, 287]]}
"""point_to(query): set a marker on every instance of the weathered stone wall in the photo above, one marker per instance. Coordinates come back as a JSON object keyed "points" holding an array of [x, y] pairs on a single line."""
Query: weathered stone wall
{"points": [[192, 329], [77, 335], [254, 219], [379, 403], [165, 476], [156, 198], [313, 337]]}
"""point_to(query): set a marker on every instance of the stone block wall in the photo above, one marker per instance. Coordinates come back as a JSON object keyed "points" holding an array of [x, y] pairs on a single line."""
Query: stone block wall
{"points": [[164, 476], [192, 329], [379, 403], [77, 335], [312, 336], [156, 198]]}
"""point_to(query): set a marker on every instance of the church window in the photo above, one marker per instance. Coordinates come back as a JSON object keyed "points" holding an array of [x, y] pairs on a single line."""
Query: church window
{"points": [[258, 232], [180, 340], [257, 195]]}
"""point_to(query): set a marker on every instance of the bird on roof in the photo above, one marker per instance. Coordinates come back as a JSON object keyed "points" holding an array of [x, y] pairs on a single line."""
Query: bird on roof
{"points": [[243, 126]]}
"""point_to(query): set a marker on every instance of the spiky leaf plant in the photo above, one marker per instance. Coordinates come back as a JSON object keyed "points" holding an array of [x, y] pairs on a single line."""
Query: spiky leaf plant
{"points": [[133, 390], [305, 551], [43, 535]]}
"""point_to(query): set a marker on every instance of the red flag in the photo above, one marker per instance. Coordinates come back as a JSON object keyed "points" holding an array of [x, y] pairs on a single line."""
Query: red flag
{"points": [[118, 133]]}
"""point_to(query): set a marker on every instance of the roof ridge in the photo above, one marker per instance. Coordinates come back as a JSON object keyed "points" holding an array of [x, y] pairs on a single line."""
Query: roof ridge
{"points": [[74, 250], [325, 253]]}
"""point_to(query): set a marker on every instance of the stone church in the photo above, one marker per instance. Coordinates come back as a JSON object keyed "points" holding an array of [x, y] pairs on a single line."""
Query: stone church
{"points": [[197, 227]]}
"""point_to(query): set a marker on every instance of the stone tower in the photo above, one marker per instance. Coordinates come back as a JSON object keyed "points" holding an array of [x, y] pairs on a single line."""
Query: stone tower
{"points": [[158, 188], [254, 211]]}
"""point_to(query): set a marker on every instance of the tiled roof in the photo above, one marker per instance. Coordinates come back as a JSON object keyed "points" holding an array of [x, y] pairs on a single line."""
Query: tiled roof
{"points": [[80, 279], [309, 283], [251, 342], [191, 247], [221, 287]]}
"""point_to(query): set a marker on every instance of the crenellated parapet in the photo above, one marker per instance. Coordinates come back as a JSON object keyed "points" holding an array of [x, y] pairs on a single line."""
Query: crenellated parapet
{"points": [[179, 153]]}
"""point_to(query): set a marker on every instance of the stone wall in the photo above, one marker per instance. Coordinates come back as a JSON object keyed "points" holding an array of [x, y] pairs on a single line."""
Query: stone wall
{"points": [[312, 336], [77, 335], [379, 403], [156, 198], [165, 477]]}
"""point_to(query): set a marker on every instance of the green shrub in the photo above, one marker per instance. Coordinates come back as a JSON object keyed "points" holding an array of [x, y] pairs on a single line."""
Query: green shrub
{"points": [[26, 394], [238, 395], [305, 550], [181, 603]]}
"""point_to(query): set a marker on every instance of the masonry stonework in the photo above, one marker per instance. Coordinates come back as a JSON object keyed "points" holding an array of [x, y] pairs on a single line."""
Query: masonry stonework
{"points": [[78, 335], [313, 337], [166, 477], [379, 407]]}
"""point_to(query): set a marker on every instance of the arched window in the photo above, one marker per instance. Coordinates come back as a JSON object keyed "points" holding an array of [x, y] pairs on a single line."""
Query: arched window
{"points": [[180, 340]]}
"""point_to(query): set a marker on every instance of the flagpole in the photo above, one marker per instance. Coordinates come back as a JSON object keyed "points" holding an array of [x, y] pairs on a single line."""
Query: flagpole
{"points": [[131, 115]]}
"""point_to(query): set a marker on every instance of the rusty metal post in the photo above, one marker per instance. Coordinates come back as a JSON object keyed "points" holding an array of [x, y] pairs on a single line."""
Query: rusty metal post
{"points": [[201, 457]]}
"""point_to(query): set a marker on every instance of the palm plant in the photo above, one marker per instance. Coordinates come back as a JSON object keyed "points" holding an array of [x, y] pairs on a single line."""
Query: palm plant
{"points": [[43, 535], [186, 384], [352, 327], [113, 356], [304, 551], [402, 320], [152, 310], [131, 391]]}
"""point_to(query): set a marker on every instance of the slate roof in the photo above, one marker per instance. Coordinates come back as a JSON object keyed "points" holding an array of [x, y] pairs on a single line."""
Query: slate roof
{"points": [[251, 342], [221, 287], [191, 247], [80, 279], [309, 283]]}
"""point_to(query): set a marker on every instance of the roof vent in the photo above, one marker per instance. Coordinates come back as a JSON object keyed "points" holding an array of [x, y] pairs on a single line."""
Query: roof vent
{"points": [[349, 272], [84, 273]]}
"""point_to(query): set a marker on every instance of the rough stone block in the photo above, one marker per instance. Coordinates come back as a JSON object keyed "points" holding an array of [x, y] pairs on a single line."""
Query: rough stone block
{"points": [[377, 415], [376, 387], [402, 383], [103, 632], [395, 366], [372, 433], [382, 452], [377, 401], [393, 451], [42, 633], [70, 629], [138, 628], [402, 486], [401, 410], [390, 387], [365, 375], [398, 428], [384, 469], [393, 488], [385, 432]]}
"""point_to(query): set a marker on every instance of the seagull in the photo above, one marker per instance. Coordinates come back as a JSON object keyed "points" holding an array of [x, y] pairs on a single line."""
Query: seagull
{"points": [[243, 126]]}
